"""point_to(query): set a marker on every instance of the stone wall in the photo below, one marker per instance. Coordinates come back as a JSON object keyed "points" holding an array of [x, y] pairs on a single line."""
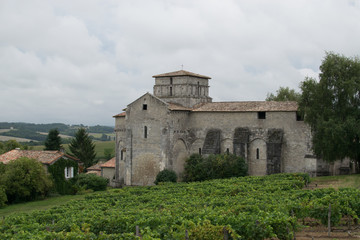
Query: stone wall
{"points": [[109, 173]]}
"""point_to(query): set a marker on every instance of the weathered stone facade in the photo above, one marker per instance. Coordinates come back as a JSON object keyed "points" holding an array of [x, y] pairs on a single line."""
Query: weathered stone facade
{"points": [[159, 131]]}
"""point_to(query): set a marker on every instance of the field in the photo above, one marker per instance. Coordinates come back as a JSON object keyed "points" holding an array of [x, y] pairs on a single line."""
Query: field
{"points": [[100, 146], [20, 140], [270, 207]]}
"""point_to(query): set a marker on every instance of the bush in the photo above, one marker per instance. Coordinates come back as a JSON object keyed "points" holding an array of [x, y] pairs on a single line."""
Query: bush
{"points": [[25, 179], [3, 198], [166, 176], [90, 181], [198, 168]]}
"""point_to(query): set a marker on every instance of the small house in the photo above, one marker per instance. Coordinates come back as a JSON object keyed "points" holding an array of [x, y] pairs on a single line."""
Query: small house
{"points": [[108, 171], [69, 167]]}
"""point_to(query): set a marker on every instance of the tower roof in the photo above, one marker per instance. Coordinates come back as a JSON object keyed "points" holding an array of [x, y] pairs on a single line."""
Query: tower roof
{"points": [[181, 73]]}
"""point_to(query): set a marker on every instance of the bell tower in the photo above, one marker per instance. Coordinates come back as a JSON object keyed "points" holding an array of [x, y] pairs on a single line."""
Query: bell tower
{"points": [[182, 87]]}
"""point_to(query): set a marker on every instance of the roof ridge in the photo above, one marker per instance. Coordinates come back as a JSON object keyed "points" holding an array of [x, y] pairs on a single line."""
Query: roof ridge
{"points": [[180, 73]]}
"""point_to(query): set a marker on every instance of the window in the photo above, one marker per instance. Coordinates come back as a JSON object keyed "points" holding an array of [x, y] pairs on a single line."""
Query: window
{"points": [[171, 81], [145, 132], [198, 89], [261, 115], [69, 172], [227, 151], [199, 151], [170, 91], [144, 106], [122, 155], [257, 153]]}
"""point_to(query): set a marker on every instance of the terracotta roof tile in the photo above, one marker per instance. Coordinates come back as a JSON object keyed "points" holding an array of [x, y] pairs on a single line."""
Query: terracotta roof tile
{"points": [[109, 164], [181, 73], [254, 106], [174, 106], [45, 157], [95, 167], [123, 114]]}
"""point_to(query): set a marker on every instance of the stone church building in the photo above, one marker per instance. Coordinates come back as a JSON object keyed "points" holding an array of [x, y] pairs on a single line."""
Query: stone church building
{"points": [[160, 130]]}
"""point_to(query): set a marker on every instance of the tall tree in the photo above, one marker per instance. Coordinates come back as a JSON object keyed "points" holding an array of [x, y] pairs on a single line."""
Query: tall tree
{"points": [[284, 94], [53, 140], [332, 108], [83, 148]]}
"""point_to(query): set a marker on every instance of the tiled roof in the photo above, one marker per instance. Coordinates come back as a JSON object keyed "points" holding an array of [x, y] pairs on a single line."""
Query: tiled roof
{"points": [[95, 167], [255, 106], [45, 157], [174, 106], [181, 73], [109, 164], [123, 114]]}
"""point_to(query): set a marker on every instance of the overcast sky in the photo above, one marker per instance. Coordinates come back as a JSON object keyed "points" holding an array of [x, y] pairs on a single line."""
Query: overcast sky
{"points": [[83, 61]]}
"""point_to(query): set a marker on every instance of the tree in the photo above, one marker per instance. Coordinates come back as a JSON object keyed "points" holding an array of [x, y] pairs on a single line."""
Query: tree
{"points": [[25, 179], [2, 148], [283, 94], [332, 108], [11, 144], [53, 140], [108, 153], [83, 148]]}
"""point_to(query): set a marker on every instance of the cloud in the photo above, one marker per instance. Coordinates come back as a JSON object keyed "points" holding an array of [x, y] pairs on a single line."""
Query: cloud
{"points": [[84, 61]]}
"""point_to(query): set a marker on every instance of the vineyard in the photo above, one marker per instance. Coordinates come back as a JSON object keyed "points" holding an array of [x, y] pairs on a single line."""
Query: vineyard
{"points": [[274, 206]]}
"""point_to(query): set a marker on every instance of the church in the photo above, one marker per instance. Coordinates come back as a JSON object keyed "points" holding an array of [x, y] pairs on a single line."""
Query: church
{"points": [[161, 130]]}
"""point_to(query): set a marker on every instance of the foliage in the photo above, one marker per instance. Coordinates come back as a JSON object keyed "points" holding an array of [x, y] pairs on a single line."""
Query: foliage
{"points": [[3, 197], [284, 94], [166, 175], [109, 153], [91, 181], [57, 171], [198, 168], [25, 133], [53, 140], [10, 145], [332, 108], [266, 207], [101, 129], [25, 179], [83, 148], [2, 169]]}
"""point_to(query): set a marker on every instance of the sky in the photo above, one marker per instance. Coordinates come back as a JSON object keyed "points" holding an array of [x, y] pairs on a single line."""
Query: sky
{"points": [[84, 61]]}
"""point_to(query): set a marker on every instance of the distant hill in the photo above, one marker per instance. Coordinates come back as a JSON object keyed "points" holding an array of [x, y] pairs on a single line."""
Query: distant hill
{"points": [[32, 132]]}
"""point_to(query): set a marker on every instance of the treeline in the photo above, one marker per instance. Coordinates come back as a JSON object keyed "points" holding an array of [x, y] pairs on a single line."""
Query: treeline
{"points": [[32, 131], [25, 133]]}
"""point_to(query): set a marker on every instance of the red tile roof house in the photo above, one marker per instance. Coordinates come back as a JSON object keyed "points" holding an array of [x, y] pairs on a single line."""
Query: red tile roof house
{"points": [[108, 171], [94, 169], [105, 170], [47, 158]]}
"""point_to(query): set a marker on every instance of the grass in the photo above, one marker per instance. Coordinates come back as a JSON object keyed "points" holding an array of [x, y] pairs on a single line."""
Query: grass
{"points": [[38, 205], [352, 181]]}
